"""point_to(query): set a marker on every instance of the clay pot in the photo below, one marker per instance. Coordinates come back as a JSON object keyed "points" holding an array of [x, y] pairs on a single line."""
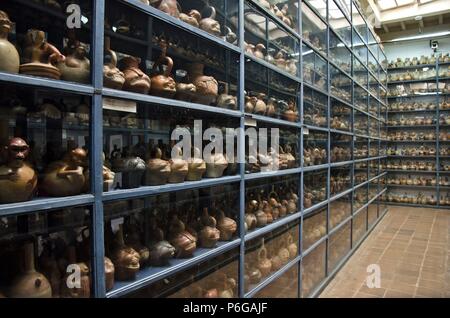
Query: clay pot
{"points": [[40, 57], [254, 275], [109, 274], [209, 234], [29, 283], [193, 18], [126, 260], [132, 169], [171, 7], [18, 181], [112, 76], [158, 170], [210, 25], [178, 168], [264, 264], [133, 240], [207, 86], [50, 269], [227, 226], [163, 85], [186, 92], [291, 114], [284, 254], [9, 57], [250, 221], [261, 218], [135, 80], [85, 285], [292, 247], [184, 242], [76, 67], [196, 167], [216, 165], [260, 105], [65, 177], [259, 48], [161, 251]]}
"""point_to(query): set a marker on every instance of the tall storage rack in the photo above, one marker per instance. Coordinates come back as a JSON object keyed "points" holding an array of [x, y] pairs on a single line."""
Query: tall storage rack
{"points": [[418, 98], [342, 114]]}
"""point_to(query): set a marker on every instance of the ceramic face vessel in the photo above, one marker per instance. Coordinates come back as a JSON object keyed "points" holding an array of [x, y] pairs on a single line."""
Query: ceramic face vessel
{"points": [[112, 76], [161, 251], [186, 92], [158, 170], [76, 67], [29, 283], [184, 242], [126, 260], [171, 7], [18, 181], [9, 57], [178, 168], [135, 80], [109, 274], [209, 234], [227, 226], [207, 86], [196, 167], [65, 177], [40, 57], [210, 25], [264, 264], [216, 165], [227, 101], [162, 84], [193, 18]]}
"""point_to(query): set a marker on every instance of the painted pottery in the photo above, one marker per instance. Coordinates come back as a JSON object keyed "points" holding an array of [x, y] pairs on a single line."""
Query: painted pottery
{"points": [[9, 57], [126, 260], [207, 86], [178, 167], [210, 25], [196, 166], [76, 67], [171, 7], [216, 165], [158, 170], [184, 242], [162, 83], [227, 226], [84, 289], [135, 79], [112, 76], [209, 234], [161, 251]]}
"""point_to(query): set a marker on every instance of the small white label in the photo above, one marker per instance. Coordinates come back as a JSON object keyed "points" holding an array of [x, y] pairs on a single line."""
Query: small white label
{"points": [[250, 122], [115, 224], [305, 131], [119, 105]]}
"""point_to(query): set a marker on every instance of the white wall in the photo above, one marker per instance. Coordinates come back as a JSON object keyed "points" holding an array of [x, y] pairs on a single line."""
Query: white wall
{"points": [[414, 48]]}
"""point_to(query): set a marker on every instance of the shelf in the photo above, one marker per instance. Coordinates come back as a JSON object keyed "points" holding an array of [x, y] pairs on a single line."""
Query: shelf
{"points": [[127, 194], [153, 12], [272, 67], [45, 204], [411, 171], [410, 127], [40, 82], [273, 226], [412, 111], [412, 141], [411, 186], [390, 69], [112, 93], [270, 174], [149, 275], [274, 121], [412, 156], [419, 95], [433, 79]]}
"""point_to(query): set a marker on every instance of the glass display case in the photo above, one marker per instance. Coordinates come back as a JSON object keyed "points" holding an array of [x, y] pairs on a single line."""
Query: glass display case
{"points": [[269, 94], [314, 108], [360, 197], [110, 153], [268, 41], [341, 116], [360, 73], [359, 226], [314, 30], [315, 148], [340, 210], [359, 23], [314, 188], [314, 69], [361, 148]]}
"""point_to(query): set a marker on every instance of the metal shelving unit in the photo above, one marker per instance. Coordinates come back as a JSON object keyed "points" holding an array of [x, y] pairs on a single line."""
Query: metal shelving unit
{"points": [[97, 198], [437, 190]]}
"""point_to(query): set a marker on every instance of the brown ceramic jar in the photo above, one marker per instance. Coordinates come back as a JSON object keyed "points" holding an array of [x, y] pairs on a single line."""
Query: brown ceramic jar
{"points": [[207, 86], [9, 57], [135, 80]]}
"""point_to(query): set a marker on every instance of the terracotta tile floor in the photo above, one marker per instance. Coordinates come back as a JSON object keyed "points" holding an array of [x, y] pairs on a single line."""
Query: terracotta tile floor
{"points": [[412, 248]]}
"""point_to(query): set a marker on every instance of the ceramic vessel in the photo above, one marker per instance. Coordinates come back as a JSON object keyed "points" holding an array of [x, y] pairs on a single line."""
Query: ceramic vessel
{"points": [[227, 226], [18, 180], [158, 170], [196, 167], [76, 67], [216, 165], [126, 260], [9, 57], [50, 269], [84, 289], [162, 83], [29, 283], [65, 177], [207, 86], [171, 7], [184, 242], [186, 92], [161, 251], [178, 168], [40, 57], [209, 235], [264, 264], [210, 25], [112, 76], [193, 18], [135, 80], [109, 274]]}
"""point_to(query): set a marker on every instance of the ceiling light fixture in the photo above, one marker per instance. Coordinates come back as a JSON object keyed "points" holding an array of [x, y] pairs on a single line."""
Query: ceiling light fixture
{"points": [[422, 36]]}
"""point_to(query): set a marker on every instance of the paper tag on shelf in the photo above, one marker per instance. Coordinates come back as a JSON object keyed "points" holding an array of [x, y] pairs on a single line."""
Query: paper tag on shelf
{"points": [[115, 224], [250, 122], [305, 131], [119, 105]]}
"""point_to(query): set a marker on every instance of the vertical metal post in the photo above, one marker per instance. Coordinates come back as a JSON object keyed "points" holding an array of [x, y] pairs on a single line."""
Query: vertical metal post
{"points": [[300, 188], [241, 151], [438, 139], [96, 154]]}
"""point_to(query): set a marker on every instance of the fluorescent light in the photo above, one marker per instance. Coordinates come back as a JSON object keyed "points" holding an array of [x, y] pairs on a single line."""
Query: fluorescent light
{"points": [[422, 36], [404, 2]]}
